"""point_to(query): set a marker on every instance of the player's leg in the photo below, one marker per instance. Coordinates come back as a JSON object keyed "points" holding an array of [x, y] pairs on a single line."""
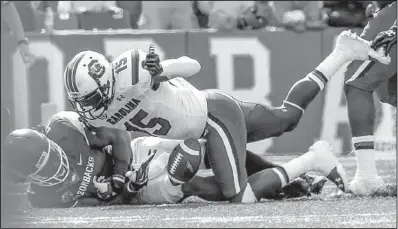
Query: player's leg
{"points": [[319, 158], [271, 183], [159, 190], [387, 91], [255, 163], [265, 121], [226, 146], [362, 78]]}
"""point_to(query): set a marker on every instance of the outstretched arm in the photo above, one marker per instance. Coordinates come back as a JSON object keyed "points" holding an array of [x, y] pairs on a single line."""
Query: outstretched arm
{"points": [[121, 150], [181, 67]]}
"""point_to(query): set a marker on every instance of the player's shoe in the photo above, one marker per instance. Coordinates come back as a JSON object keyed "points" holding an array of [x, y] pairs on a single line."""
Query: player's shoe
{"points": [[316, 182], [387, 190], [302, 186], [356, 48], [327, 164], [365, 186]]}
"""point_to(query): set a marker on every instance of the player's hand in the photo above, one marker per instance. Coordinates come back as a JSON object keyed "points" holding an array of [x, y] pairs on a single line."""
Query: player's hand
{"points": [[26, 55], [385, 39], [139, 179], [104, 187], [152, 62]]}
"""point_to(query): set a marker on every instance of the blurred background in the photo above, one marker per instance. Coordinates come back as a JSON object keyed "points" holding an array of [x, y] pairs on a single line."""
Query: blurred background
{"points": [[255, 59]]}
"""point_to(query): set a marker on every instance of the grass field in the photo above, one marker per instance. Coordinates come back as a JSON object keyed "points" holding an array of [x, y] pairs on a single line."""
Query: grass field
{"points": [[316, 211]]}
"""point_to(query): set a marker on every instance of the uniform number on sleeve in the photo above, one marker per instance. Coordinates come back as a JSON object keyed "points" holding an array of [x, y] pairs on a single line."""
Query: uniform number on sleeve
{"points": [[121, 65]]}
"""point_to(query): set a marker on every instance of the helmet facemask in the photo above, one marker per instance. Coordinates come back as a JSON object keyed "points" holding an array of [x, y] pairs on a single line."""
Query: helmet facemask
{"points": [[94, 104], [54, 162]]}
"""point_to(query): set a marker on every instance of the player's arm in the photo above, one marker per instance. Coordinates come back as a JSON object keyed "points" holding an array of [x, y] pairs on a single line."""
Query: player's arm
{"points": [[171, 68], [121, 150], [11, 17], [181, 67]]}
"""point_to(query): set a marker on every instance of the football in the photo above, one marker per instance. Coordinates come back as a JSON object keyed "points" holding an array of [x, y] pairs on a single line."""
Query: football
{"points": [[184, 161]]}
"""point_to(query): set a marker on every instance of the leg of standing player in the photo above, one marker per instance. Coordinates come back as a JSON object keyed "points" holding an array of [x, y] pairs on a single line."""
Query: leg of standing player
{"points": [[362, 78], [226, 146], [266, 121]]}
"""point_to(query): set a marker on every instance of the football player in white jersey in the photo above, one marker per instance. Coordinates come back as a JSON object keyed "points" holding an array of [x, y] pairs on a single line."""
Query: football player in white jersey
{"points": [[160, 190], [137, 92]]}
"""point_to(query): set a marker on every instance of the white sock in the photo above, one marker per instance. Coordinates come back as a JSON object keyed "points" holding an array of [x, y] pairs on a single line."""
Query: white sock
{"points": [[365, 154], [332, 63], [366, 163], [299, 165]]}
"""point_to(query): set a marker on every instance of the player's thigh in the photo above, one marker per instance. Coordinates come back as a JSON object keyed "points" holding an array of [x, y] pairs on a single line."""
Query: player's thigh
{"points": [[226, 143], [157, 14], [387, 91], [369, 75], [263, 121], [160, 191]]}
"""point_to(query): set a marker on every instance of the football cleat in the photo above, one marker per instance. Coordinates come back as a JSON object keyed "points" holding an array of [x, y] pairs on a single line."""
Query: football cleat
{"points": [[387, 190], [365, 186], [356, 48], [327, 164], [302, 186], [295, 189], [315, 182]]}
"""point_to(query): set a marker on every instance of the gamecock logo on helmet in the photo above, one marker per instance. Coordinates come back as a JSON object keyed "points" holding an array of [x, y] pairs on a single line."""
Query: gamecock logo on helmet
{"points": [[95, 69]]}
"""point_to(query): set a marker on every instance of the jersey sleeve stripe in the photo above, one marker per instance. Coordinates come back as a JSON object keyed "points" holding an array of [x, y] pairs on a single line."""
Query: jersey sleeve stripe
{"points": [[134, 66], [71, 74]]}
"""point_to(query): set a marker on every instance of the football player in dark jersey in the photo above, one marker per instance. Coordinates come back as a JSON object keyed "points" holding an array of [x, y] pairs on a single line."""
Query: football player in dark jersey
{"points": [[62, 163]]}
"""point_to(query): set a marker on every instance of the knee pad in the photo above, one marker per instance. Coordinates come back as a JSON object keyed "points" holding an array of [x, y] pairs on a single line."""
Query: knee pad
{"points": [[291, 119]]}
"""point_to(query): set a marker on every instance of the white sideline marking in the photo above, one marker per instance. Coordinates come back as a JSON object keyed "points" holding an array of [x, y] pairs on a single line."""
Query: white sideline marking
{"points": [[120, 219]]}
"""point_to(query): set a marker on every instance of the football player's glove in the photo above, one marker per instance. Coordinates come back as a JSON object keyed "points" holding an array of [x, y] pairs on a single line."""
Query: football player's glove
{"points": [[139, 179], [385, 39], [109, 187], [104, 187], [152, 62]]}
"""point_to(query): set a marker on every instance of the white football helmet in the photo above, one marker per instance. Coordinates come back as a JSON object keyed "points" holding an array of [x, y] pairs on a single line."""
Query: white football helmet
{"points": [[90, 84]]}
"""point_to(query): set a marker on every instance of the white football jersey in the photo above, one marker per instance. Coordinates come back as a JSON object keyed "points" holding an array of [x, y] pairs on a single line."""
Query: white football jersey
{"points": [[174, 110], [142, 147], [159, 190]]}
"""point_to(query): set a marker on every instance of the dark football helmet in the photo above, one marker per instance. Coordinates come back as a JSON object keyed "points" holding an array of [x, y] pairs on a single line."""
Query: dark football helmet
{"points": [[30, 155]]}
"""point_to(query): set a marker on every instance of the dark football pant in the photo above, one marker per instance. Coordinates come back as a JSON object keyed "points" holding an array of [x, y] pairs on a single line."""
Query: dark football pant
{"points": [[263, 121], [226, 143], [369, 75]]}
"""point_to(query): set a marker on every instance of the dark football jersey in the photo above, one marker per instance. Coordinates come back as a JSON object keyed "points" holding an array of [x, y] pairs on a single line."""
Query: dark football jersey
{"points": [[84, 164]]}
